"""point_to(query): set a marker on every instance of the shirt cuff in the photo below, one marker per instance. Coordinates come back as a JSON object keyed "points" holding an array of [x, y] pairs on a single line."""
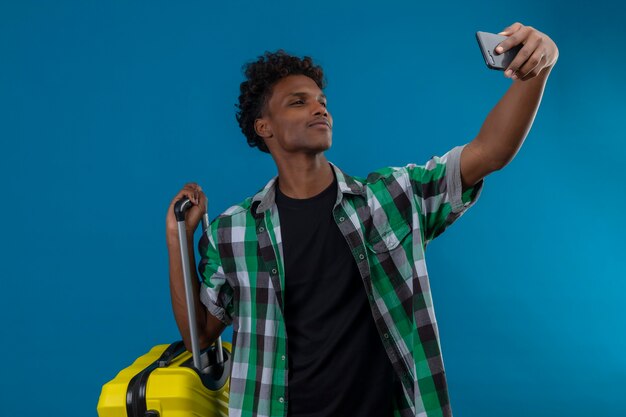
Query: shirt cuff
{"points": [[213, 308], [459, 201]]}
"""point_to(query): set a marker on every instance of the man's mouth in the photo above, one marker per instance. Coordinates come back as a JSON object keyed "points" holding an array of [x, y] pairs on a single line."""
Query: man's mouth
{"points": [[320, 123]]}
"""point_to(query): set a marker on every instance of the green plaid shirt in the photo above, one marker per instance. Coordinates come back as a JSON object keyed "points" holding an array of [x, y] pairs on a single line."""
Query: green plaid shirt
{"points": [[387, 220]]}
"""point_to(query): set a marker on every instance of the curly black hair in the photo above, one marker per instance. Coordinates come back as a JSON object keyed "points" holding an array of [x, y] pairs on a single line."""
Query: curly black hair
{"points": [[261, 76]]}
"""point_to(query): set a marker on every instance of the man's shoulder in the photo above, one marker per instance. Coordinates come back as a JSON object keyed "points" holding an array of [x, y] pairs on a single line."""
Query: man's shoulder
{"points": [[434, 169], [384, 173], [239, 209], [376, 175]]}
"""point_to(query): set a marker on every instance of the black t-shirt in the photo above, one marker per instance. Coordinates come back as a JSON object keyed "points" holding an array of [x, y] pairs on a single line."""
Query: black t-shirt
{"points": [[337, 363]]}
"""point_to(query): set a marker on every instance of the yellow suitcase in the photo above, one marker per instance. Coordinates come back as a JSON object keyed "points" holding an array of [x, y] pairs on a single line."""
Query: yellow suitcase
{"points": [[164, 383], [168, 381]]}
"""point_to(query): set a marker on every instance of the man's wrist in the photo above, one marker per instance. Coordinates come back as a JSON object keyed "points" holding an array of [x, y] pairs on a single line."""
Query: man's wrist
{"points": [[172, 238], [174, 233]]}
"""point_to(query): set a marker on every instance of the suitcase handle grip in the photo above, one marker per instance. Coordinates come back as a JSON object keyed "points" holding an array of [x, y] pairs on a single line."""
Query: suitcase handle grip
{"points": [[181, 207]]}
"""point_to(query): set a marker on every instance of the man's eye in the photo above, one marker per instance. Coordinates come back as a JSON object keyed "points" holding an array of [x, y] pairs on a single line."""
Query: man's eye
{"points": [[298, 102]]}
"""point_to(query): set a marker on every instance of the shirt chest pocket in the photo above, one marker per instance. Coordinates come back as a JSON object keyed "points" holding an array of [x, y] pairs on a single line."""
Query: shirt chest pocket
{"points": [[386, 237], [390, 262]]}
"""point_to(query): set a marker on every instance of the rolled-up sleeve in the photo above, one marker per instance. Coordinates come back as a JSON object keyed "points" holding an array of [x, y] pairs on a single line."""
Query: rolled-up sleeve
{"points": [[215, 293], [438, 189]]}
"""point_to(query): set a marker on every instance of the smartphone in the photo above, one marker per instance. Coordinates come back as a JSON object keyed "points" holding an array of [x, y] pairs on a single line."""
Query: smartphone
{"points": [[488, 42]]}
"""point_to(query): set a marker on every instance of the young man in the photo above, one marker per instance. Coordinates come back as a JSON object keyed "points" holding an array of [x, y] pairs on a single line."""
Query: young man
{"points": [[322, 274]]}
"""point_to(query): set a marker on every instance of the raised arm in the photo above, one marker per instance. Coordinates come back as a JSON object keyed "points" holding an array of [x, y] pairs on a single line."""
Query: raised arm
{"points": [[508, 123], [209, 327]]}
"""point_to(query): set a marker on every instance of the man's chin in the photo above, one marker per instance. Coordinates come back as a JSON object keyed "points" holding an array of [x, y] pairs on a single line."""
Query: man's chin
{"points": [[311, 146], [328, 143], [323, 147], [319, 146]]}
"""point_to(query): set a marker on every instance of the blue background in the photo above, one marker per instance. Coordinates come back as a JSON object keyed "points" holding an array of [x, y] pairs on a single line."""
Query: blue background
{"points": [[108, 108]]}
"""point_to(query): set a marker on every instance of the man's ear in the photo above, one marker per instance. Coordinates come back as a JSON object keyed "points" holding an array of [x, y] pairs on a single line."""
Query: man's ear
{"points": [[263, 128]]}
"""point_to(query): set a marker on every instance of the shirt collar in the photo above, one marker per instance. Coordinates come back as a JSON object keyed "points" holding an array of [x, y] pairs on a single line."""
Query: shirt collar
{"points": [[346, 184]]}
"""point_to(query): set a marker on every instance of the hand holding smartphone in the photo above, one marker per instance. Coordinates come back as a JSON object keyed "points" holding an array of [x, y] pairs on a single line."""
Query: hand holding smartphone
{"points": [[487, 43]]}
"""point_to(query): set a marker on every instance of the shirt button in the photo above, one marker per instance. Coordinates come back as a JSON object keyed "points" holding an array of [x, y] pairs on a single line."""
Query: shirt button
{"points": [[274, 271], [341, 219], [386, 335], [361, 256], [261, 229], [281, 400], [283, 357]]}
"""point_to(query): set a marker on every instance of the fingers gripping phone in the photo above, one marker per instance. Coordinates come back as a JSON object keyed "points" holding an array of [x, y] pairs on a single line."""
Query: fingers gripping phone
{"points": [[488, 42]]}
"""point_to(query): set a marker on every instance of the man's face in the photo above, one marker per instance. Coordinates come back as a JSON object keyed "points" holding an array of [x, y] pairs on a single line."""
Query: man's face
{"points": [[295, 118]]}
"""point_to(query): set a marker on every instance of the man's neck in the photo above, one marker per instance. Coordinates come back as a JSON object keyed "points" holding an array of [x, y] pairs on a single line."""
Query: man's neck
{"points": [[304, 176]]}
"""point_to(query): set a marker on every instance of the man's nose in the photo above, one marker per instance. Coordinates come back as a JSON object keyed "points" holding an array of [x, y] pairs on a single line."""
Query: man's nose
{"points": [[320, 109]]}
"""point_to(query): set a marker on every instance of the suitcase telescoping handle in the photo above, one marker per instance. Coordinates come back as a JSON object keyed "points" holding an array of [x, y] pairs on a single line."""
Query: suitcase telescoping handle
{"points": [[180, 208]]}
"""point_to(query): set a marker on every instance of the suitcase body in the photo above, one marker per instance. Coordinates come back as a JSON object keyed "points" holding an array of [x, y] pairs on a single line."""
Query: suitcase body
{"points": [[168, 386]]}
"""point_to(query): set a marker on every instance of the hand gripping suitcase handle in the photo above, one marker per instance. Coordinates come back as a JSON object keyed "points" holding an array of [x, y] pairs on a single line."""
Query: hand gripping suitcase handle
{"points": [[180, 208]]}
